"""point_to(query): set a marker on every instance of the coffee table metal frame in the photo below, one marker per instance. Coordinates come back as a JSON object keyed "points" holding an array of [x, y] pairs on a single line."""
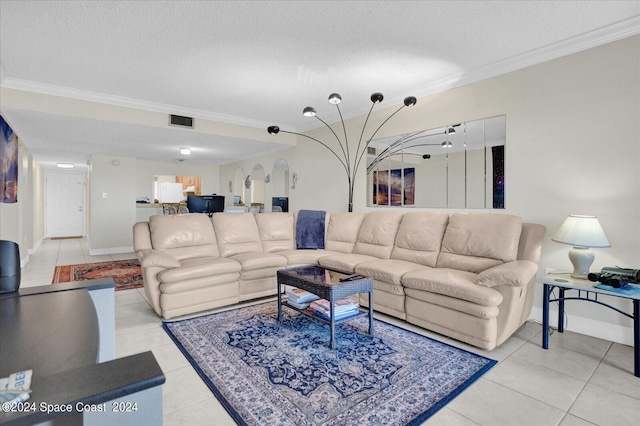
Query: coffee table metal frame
{"points": [[330, 291]]}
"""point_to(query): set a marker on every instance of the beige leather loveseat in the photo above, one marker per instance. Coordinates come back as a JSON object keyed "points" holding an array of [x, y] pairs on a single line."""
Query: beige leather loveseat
{"points": [[469, 276]]}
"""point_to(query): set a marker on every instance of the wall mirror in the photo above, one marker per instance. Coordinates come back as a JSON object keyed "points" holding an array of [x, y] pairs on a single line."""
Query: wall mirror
{"points": [[238, 187], [456, 166], [280, 186], [257, 185]]}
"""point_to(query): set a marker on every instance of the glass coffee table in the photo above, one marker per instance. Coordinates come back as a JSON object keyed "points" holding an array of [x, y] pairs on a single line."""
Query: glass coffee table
{"points": [[325, 284]]}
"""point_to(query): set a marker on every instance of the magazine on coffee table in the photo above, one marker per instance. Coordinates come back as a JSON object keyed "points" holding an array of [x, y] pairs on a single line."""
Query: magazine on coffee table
{"points": [[300, 296], [341, 306]]}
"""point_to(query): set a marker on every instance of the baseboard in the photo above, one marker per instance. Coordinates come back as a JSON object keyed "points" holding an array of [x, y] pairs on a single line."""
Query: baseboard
{"points": [[30, 252], [112, 250], [590, 327], [36, 247]]}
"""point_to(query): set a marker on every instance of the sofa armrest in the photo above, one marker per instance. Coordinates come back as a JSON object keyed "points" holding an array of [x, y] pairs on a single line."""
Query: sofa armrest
{"points": [[517, 274], [150, 257]]}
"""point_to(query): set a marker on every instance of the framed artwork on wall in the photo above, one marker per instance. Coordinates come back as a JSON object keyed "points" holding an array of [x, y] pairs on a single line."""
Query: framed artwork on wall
{"points": [[393, 187], [8, 164]]}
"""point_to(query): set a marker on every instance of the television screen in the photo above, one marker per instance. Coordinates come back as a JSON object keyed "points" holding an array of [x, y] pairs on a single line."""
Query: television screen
{"points": [[282, 202], [208, 204]]}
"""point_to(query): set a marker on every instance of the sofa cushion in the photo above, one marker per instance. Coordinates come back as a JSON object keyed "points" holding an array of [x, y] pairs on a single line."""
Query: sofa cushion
{"points": [[182, 236], [344, 262], [419, 237], [393, 289], [221, 284], [470, 308], [517, 273], [236, 233], [256, 261], [304, 257], [477, 241], [453, 283], [342, 231], [387, 270], [150, 257], [276, 231], [378, 233], [198, 268]]}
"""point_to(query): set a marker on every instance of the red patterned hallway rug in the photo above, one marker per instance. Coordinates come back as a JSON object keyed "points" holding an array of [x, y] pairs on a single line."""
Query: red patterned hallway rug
{"points": [[126, 273]]}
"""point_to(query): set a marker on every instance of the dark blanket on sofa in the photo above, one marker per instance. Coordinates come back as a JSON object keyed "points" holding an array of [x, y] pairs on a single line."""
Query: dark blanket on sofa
{"points": [[310, 229]]}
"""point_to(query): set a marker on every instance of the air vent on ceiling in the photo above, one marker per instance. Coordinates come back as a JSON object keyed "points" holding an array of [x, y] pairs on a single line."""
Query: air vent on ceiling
{"points": [[371, 150], [178, 120]]}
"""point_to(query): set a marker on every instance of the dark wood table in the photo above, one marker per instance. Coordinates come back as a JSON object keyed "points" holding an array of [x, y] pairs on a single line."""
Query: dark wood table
{"points": [[55, 331], [325, 284]]}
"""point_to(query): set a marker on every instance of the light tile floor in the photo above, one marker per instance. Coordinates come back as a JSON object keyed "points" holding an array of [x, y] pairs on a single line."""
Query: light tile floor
{"points": [[579, 381]]}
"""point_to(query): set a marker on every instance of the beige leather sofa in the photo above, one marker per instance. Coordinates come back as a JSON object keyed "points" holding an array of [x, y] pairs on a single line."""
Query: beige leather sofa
{"points": [[470, 276]]}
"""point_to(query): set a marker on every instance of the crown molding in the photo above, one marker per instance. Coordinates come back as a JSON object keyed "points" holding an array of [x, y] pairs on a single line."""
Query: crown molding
{"points": [[601, 36], [604, 35], [121, 101]]}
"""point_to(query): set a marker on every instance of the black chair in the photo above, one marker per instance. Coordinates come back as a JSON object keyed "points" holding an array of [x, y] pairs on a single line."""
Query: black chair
{"points": [[9, 266]]}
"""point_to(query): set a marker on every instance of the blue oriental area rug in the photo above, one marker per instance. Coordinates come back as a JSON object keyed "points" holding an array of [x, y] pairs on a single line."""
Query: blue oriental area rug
{"points": [[270, 374]]}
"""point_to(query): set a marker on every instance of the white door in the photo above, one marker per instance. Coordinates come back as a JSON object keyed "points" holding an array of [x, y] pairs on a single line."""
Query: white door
{"points": [[64, 204]]}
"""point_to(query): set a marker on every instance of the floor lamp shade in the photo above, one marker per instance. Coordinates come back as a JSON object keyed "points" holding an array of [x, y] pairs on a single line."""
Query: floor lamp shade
{"points": [[583, 233], [9, 266]]}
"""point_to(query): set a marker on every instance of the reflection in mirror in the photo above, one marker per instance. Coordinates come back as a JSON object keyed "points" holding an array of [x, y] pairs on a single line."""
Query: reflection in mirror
{"points": [[238, 187], [280, 182], [257, 187], [455, 166]]}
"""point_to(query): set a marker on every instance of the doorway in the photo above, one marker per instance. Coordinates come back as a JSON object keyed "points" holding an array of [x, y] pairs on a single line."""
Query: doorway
{"points": [[64, 204]]}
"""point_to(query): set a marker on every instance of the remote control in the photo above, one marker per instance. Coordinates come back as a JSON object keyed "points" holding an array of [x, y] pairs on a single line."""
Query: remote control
{"points": [[351, 277]]}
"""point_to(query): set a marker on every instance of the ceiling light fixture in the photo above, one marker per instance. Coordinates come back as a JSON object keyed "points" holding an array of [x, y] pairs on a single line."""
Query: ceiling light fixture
{"points": [[350, 161], [65, 165], [185, 151]]}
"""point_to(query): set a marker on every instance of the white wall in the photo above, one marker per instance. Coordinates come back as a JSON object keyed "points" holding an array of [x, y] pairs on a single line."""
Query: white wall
{"points": [[111, 218], [572, 147], [37, 194], [23, 222], [228, 173]]}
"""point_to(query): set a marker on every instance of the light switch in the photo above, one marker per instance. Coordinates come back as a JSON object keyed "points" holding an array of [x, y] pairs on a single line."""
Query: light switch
{"points": [[104, 195]]}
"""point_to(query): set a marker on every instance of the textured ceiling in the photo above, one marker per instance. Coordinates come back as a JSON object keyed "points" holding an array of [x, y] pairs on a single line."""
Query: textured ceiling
{"points": [[258, 63]]}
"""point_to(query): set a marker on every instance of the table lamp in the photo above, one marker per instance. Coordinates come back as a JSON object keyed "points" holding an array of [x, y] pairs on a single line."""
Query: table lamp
{"points": [[583, 233]]}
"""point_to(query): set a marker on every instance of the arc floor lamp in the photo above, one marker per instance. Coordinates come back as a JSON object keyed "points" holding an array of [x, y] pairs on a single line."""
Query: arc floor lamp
{"points": [[349, 161]]}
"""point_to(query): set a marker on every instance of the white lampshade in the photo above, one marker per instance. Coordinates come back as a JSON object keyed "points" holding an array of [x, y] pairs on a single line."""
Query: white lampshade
{"points": [[581, 232]]}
